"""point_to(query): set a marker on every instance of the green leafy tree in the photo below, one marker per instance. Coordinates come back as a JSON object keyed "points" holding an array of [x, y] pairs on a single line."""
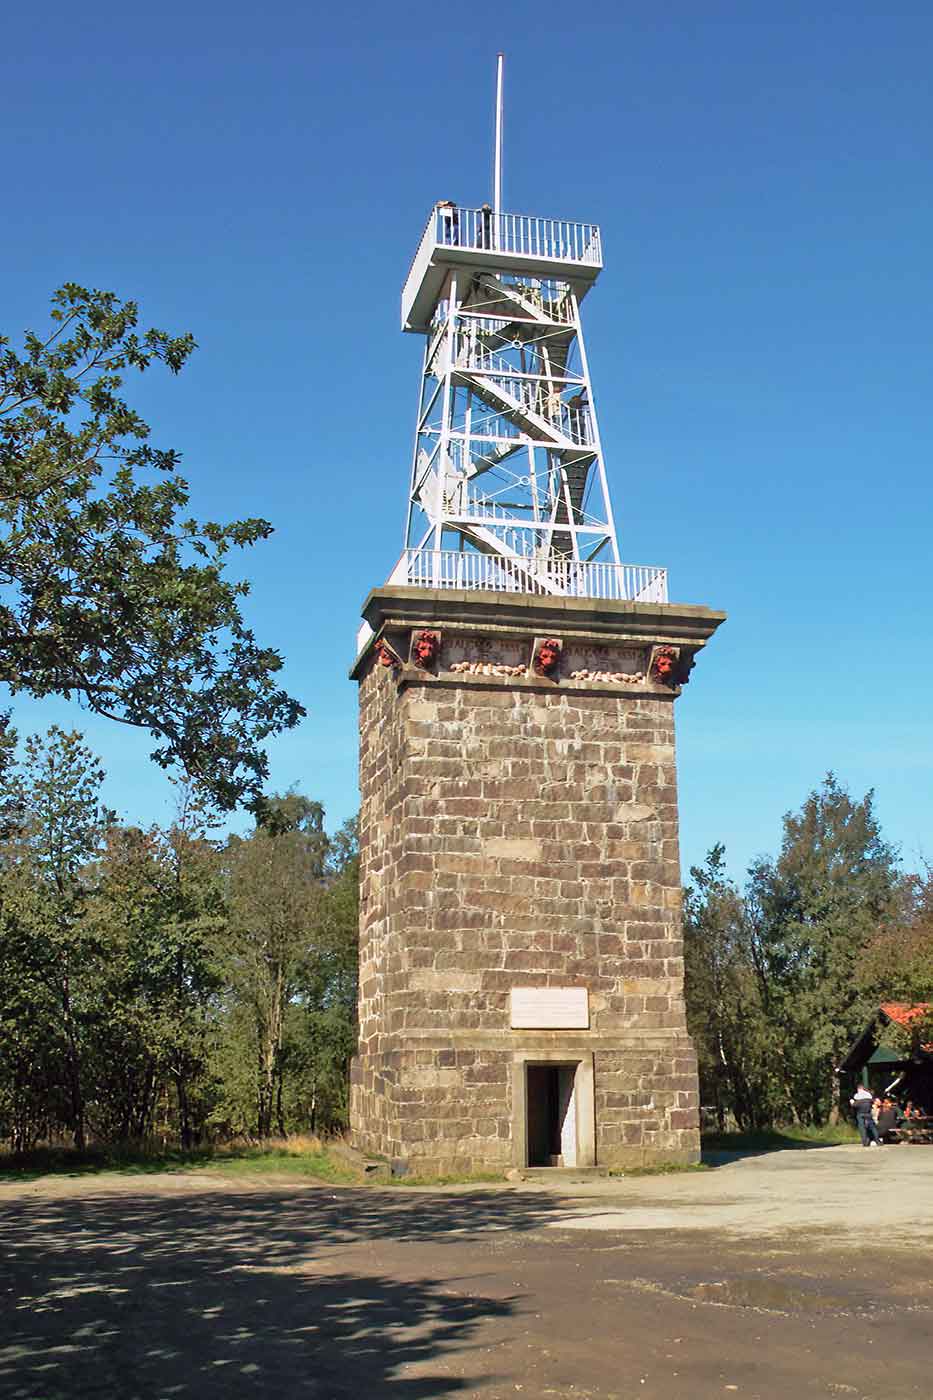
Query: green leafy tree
{"points": [[322, 1018], [813, 909], [290, 971], [34, 1102], [897, 965], [61, 827], [159, 914], [274, 892], [109, 592], [724, 1008]]}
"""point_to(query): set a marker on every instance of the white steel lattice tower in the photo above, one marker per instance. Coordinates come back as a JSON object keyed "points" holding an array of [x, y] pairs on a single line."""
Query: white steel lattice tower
{"points": [[508, 482]]}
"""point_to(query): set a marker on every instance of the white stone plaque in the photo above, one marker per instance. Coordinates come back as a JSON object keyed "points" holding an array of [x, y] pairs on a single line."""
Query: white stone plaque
{"points": [[550, 1009]]}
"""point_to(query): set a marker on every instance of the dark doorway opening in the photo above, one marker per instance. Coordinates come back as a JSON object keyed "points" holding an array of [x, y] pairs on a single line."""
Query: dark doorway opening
{"points": [[552, 1134]]}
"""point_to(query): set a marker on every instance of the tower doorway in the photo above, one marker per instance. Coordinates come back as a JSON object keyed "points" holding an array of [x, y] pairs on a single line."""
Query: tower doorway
{"points": [[552, 1115]]}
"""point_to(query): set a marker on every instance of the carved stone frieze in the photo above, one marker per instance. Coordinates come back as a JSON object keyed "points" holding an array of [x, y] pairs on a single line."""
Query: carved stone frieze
{"points": [[614, 665], [485, 656], [486, 668]]}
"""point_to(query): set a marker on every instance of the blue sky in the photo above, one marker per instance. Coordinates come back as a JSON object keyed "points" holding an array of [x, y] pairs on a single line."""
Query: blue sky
{"points": [[760, 339]]}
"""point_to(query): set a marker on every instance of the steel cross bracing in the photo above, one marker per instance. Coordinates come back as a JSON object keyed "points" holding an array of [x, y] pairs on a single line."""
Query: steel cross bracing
{"points": [[507, 458]]}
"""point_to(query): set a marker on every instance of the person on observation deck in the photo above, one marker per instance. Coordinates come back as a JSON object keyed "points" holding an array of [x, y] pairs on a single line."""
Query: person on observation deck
{"points": [[450, 226]]}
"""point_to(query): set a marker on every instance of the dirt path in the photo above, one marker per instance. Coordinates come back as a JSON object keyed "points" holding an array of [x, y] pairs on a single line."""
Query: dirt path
{"points": [[755, 1280]]}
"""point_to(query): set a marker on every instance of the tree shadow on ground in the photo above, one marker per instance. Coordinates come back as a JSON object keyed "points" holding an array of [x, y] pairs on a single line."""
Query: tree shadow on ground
{"points": [[215, 1295]]}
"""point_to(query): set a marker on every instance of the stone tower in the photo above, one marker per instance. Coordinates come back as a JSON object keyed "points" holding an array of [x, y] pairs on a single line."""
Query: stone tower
{"points": [[521, 961]]}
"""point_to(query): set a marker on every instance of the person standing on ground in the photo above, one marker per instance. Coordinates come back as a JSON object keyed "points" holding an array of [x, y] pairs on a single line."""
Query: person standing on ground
{"points": [[862, 1102], [887, 1120]]}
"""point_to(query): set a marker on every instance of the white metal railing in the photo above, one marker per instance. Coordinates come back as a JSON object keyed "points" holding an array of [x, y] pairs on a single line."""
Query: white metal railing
{"points": [[522, 234], [573, 578]]}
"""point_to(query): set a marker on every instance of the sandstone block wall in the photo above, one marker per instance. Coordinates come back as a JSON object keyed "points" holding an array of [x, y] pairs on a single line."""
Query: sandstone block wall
{"points": [[516, 832]]}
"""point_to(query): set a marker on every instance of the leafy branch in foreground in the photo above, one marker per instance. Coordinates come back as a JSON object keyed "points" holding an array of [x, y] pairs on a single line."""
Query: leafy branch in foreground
{"points": [[108, 593]]}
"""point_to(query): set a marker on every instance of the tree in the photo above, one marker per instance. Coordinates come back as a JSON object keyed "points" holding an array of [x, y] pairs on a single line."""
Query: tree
{"points": [[109, 593], [724, 1011], [813, 909], [61, 827], [34, 1101], [896, 964], [323, 1030], [159, 914], [290, 971], [274, 890]]}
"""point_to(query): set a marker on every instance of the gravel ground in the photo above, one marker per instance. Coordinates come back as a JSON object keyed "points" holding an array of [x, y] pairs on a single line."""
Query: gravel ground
{"points": [[792, 1273]]}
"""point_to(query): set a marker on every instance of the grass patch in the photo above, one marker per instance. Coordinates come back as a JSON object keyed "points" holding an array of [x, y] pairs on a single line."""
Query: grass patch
{"points": [[320, 1165], [305, 1157], [295, 1157], [778, 1139], [467, 1180]]}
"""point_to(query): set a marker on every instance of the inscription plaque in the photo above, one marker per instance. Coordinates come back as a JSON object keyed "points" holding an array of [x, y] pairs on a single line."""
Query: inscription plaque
{"points": [[490, 651], [628, 660], [550, 1009]]}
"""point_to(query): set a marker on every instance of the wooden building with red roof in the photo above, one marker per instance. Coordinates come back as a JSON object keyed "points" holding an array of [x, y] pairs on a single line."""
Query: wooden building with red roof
{"points": [[905, 1072]]}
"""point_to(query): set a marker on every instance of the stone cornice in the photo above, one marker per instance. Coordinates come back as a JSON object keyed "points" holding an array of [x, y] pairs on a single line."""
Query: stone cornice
{"points": [[518, 614]]}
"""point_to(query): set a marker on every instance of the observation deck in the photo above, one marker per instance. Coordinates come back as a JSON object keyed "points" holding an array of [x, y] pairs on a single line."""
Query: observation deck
{"points": [[480, 238]]}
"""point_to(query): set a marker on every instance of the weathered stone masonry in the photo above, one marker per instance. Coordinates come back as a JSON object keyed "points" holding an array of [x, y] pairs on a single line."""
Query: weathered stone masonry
{"points": [[520, 831]]}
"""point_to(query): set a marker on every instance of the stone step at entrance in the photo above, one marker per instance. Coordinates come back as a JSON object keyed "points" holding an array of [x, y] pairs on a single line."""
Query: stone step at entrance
{"points": [[562, 1174]]}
